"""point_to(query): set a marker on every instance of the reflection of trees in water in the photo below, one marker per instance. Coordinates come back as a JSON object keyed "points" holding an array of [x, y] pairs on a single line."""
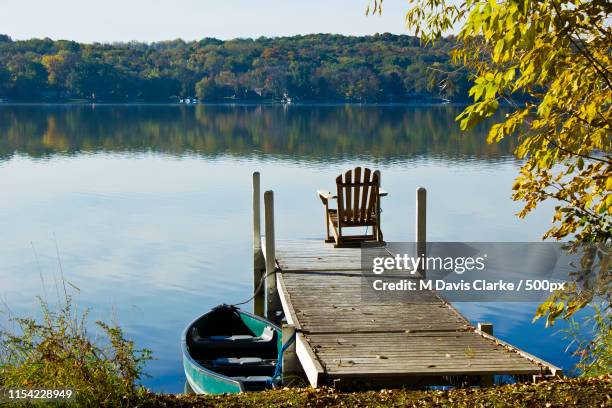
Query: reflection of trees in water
{"points": [[305, 132]]}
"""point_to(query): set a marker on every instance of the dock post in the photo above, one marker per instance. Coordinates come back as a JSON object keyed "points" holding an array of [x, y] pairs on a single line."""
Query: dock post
{"points": [[256, 210], [271, 290], [259, 263], [291, 364], [486, 328], [486, 380], [421, 217]]}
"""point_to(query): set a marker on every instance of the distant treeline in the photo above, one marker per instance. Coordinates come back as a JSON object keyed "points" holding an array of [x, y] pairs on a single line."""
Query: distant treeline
{"points": [[321, 67]]}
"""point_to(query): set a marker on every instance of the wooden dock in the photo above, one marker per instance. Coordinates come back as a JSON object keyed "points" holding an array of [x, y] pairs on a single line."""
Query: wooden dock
{"points": [[341, 338]]}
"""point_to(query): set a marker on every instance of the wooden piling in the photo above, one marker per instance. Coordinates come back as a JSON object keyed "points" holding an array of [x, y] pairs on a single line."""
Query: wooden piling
{"points": [[486, 328], [421, 226], [291, 364], [377, 229], [486, 380], [273, 301], [256, 210], [259, 263]]}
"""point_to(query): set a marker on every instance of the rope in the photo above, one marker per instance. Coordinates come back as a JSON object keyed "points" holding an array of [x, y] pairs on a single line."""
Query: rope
{"points": [[278, 370], [259, 286]]}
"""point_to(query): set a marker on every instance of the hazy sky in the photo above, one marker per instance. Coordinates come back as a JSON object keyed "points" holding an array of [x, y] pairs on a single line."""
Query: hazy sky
{"points": [[152, 20]]}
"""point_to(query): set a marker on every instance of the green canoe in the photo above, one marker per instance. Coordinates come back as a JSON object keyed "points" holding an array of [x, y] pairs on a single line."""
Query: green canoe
{"points": [[228, 350]]}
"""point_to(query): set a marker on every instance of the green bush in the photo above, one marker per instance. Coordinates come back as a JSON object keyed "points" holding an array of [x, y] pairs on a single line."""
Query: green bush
{"points": [[594, 349], [57, 351]]}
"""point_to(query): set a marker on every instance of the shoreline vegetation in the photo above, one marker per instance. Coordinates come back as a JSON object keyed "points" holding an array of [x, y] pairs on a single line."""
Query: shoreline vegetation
{"points": [[103, 368], [245, 102], [62, 350], [304, 68], [582, 392]]}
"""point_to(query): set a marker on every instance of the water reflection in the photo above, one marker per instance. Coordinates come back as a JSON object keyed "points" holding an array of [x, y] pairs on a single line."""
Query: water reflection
{"points": [[312, 133]]}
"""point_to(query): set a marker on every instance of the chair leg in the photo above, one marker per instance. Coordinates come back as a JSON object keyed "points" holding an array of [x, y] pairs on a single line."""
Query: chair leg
{"points": [[337, 235], [327, 237], [379, 234]]}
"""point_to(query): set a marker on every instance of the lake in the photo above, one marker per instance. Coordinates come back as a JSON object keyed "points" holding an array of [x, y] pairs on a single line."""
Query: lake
{"points": [[146, 209]]}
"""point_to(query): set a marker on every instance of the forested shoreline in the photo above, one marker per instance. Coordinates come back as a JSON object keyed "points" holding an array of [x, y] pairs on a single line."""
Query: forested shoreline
{"points": [[318, 67]]}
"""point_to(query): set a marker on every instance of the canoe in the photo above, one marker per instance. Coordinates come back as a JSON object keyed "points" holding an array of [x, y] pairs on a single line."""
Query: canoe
{"points": [[228, 350]]}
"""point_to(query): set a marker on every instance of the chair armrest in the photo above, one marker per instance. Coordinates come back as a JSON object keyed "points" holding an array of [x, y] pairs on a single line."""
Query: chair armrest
{"points": [[325, 195]]}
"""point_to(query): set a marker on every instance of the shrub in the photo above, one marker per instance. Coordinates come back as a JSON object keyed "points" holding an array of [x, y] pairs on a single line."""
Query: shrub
{"points": [[56, 351], [594, 349]]}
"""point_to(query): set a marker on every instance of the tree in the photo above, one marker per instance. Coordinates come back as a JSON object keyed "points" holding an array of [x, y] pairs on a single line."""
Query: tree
{"points": [[28, 78], [206, 89], [5, 78], [59, 67], [557, 54], [96, 80]]}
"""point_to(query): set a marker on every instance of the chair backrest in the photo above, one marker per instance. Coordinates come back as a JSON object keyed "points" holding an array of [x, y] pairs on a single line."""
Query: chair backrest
{"points": [[358, 199]]}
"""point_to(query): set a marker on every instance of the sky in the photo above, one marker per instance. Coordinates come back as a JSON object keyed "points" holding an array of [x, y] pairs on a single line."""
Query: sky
{"points": [[155, 20]]}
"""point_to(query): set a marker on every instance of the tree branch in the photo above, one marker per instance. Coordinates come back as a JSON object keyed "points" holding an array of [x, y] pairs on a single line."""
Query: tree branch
{"points": [[585, 53], [584, 156]]}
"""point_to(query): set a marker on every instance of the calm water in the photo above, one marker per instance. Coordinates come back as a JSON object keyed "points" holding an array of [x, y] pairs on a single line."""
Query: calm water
{"points": [[150, 206]]}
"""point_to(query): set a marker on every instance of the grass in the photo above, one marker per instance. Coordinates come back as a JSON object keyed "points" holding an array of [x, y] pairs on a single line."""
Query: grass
{"points": [[57, 351], [577, 392]]}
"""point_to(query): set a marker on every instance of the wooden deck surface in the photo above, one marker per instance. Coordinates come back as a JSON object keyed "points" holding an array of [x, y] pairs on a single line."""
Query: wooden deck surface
{"points": [[341, 337]]}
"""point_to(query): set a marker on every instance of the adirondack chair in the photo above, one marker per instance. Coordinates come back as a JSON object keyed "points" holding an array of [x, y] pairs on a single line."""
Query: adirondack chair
{"points": [[358, 202]]}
